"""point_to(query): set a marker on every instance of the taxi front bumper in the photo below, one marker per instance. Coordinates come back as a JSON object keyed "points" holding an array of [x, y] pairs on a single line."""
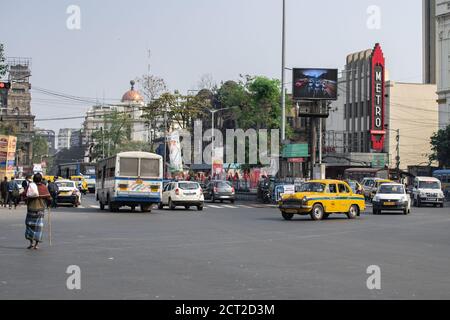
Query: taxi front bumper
{"points": [[297, 205]]}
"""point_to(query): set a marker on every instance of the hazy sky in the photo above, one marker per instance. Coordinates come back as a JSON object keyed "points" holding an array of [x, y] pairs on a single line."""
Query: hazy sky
{"points": [[189, 38]]}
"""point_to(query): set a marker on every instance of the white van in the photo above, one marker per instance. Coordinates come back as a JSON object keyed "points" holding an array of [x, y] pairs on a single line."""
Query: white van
{"points": [[427, 190]]}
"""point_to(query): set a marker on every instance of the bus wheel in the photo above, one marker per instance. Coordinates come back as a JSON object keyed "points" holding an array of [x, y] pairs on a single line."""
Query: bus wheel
{"points": [[146, 207]]}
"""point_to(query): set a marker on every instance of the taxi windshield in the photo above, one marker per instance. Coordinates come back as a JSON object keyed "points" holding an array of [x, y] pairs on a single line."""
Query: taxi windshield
{"points": [[429, 185], [312, 187], [65, 184]]}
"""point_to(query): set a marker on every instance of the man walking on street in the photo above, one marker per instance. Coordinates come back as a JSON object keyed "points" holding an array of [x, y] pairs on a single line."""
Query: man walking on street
{"points": [[13, 193], [53, 189], [4, 191]]}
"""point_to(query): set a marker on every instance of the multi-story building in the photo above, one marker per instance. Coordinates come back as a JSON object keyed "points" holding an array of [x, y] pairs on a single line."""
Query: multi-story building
{"points": [[76, 138], [64, 138], [443, 60], [131, 104], [429, 41], [362, 128], [15, 111]]}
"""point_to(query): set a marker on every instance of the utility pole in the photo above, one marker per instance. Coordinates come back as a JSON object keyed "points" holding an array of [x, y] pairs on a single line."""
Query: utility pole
{"points": [[397, 158], [165, 144], [283, 61]]}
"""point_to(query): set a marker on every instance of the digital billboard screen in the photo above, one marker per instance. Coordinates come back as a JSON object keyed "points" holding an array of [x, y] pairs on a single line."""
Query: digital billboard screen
{"points": [[315, 84]]}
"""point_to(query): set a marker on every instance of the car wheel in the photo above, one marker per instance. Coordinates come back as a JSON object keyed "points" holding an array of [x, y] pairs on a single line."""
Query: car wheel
{"points": [[317, 212], [326, 216], [171, 205], [419, 203], [187, 207], [353, 212], [232, 201], [200, 208], [160, 206], [146, 207], [287, 216]]}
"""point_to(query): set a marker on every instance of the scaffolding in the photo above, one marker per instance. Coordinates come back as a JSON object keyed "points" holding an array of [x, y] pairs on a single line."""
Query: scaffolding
{"points": [[19, 69]]}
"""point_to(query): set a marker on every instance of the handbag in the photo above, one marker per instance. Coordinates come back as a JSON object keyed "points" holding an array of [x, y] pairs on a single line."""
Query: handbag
{"points": [[32, 191]]}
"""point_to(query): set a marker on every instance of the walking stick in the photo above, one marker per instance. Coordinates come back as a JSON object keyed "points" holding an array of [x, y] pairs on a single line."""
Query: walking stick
{"points": [[49, 226]]}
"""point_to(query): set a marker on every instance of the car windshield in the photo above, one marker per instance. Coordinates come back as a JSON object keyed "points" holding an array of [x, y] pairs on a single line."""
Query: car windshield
{"points": [[390, 189], [429, 185], [312, 187], [65, 184], [188, 186]]}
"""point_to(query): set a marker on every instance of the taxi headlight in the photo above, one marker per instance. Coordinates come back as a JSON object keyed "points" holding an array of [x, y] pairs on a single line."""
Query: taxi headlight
{"points": [[304, 200], [376, 198]]}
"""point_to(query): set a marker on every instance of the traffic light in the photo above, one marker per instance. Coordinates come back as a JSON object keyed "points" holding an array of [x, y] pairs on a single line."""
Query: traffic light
{"points": [[5, 85]]}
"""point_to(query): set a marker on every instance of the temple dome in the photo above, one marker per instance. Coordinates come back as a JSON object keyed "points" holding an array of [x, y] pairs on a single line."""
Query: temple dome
{"points": [[132, 95]]}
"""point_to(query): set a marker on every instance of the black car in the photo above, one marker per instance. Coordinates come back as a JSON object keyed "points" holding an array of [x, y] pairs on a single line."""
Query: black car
{"points": [[219, 190]]}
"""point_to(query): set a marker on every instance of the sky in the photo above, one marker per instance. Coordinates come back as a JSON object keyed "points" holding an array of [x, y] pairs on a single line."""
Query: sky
{"points": [[191, 38]]}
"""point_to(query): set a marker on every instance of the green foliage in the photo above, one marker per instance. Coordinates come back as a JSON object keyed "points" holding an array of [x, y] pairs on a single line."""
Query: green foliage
{"points": [[3, 66], [115, 134], [40, 148], [440, 145]]}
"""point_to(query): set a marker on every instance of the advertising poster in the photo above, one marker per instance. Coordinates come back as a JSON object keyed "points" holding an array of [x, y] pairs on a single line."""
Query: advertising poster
{"points": [[315, 84], [217, 161], [8, 146], [176, 161]]}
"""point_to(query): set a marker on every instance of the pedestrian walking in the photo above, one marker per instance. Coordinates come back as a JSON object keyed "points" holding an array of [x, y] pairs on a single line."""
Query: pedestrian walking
{"points": [[25, 184], [53, 189], [13, 193], [4, 191], [37, 198]]}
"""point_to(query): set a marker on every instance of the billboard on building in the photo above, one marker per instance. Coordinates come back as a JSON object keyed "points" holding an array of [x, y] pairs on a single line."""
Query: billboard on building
{"points": [[314, 84], [377, 130], [8, 146]]}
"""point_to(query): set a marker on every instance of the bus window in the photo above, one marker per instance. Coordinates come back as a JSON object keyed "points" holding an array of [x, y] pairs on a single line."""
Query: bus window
{"points": [[129, 167], [149, 168]]}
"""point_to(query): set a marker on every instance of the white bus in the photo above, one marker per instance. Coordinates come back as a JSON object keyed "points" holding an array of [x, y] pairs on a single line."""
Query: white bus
{"points": [[129, 179]]}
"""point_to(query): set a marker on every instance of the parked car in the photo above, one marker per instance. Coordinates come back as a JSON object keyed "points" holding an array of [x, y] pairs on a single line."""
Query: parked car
{"points": [[68, 193], [182, 193], [320, 198], [427, 190], [219, 190], [391, 197]]}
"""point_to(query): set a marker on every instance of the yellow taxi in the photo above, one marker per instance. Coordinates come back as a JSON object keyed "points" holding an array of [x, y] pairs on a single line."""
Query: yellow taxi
{"points": [[320, 198]]}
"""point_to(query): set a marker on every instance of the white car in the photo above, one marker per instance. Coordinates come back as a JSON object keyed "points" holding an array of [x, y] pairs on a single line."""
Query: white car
{"points": [[182, 193], [68, 193], [391, 197], [427, 190]]}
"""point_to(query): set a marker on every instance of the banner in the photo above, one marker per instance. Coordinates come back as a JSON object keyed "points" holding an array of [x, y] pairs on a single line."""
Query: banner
{"points": [[217, 161], [8, 146], [176, 161]]}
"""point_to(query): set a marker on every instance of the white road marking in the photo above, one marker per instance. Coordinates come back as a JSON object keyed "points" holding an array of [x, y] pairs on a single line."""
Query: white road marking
{"points": [[230, 207], [213, 206], [244, 206], [94, 206]]}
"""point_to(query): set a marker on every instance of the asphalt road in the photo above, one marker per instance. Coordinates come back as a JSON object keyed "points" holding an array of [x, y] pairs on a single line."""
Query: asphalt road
{"points": [[241, 251]]}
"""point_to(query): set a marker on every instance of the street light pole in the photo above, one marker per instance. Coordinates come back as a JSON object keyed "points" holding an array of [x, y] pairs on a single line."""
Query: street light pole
{"points": [[283, 96]]}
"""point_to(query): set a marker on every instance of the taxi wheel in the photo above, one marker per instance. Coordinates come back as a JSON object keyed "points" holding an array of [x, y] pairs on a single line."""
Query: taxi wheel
{"points": [[353, 212], [287, 216], [317, 212], [200, 208], [171, 205], [326, 216]]}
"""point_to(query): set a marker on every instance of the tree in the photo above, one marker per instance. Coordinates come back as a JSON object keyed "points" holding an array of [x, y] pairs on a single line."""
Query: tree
{"points": [[3, 66], [206, 82], [40, 148], [440, 146], [116, 132], [151, 87]]}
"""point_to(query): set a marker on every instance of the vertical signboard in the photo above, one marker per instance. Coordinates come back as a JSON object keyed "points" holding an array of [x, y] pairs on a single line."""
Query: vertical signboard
{"points": [[7, 155], [176, 161], [377, 131]]}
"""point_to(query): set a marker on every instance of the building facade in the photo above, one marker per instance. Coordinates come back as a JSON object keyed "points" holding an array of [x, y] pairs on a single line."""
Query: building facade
{"points": [[64, 138], [15, 111], [443, 60], [429, 41], [363, 125]]}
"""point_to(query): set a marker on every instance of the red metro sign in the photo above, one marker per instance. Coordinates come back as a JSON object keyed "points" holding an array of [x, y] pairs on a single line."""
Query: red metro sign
{"points": [[377, 131]]}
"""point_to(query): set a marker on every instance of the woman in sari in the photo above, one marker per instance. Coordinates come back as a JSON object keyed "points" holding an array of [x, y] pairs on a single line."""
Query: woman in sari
{"points": [[35, 212]]}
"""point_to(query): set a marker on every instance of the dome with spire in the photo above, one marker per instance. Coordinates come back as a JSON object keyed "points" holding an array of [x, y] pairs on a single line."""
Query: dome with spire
{"points": [[132, 95]]}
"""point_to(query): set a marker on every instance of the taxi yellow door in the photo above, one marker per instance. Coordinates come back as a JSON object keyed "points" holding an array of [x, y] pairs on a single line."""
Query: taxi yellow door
{"points": [[343, 204], [331, 202]]}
